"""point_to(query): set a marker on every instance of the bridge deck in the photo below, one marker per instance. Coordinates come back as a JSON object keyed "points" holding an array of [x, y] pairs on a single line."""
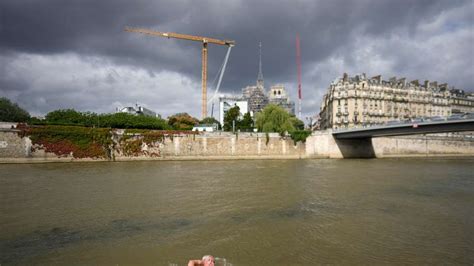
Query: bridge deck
{"points": [[407, 129]]}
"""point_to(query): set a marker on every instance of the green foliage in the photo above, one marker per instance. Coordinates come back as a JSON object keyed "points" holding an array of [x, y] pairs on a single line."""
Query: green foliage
{"points": [[67, 117], [88, 119], [132, 147], [11, 112], [274, 119], [152, 136], [80, 141], [231, 115], [135, 131], [182, 121], [246, 124], [36, 121], [210, 121], [300, 135], [297, 124], [124, 120]]}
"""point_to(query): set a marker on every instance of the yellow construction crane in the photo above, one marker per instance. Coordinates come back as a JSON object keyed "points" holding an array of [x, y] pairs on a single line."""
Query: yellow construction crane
{"points": [[204, 41]]}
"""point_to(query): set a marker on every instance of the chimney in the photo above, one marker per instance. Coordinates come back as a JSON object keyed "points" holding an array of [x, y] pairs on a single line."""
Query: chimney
{"points": [[344, 77], [427, 83], [377, 78]]}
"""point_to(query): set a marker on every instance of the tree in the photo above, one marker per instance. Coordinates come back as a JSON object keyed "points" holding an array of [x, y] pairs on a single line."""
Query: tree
{"points": [[88, 119], [247, 123], [11, 112], [231, 115], [182, 121], [66, 117], [210, 121], [124, 120], [297, 124], [274, 119]]}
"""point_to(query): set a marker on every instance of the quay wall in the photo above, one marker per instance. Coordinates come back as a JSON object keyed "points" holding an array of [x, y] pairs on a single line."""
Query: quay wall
{"points": [[201, 146], [323, 144], [218, 145], [223, 145]]}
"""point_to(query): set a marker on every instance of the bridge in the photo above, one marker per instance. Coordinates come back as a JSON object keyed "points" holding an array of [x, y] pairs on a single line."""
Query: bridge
{"points": [[411, 128]]}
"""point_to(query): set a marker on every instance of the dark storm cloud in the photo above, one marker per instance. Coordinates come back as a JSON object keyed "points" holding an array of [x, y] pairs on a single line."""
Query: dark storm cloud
{"points": [[332, 33]]}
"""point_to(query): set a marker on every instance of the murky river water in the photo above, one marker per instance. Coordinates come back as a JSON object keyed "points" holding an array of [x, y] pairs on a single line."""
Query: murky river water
{"points": [[400, 211]]}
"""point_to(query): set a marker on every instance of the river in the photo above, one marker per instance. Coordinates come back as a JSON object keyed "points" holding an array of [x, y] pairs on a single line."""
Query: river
{"points": [[251, 212]]}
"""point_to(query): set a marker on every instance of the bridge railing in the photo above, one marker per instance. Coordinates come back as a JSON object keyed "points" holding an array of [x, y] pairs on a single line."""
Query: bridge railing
{"points": [[413, 121]]}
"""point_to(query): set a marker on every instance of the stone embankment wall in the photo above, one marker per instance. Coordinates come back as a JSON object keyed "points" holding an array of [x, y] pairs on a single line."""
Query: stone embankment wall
{"points": [[323, 144], [13, 146], [219, 145], [223, 145], [424, 145]]}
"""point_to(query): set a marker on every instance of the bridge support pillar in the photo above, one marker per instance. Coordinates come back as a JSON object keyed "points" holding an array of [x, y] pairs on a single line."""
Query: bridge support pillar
{"points": [[323, 144], [356, 148]]}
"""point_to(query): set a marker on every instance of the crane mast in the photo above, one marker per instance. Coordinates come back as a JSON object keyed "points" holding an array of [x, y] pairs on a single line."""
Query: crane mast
{"points": [[204, 41], [298, 66]]}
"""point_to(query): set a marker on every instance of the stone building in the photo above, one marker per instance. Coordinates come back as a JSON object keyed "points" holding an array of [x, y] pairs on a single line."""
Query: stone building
{"points": [[461, 102], [256, 97], [278, 96], [137, 110], [360, 101]]}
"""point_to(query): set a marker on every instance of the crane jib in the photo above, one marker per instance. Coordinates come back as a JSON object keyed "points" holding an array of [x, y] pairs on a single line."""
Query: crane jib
{"points": [[182, 36], [205, 41]]}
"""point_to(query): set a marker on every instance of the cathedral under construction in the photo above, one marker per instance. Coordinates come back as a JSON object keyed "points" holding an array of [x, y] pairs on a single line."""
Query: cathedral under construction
{"points": [[255, 98]]}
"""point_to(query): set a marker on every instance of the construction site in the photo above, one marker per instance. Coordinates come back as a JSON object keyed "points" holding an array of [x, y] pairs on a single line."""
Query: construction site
{"points": [[253, 98]]}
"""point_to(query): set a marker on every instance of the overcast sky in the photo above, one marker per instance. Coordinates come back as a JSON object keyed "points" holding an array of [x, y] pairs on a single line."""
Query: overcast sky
{"points": [[74, 54]]}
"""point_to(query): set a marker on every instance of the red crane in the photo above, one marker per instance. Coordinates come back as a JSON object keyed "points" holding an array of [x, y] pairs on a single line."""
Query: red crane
{"points": [[298, 66]]}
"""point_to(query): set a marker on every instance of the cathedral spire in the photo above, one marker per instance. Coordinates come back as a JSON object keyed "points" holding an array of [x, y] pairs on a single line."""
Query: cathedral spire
{"points": [[260, 74]]}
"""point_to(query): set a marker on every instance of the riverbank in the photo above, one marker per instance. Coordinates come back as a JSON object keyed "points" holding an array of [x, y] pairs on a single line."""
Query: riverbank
{"points": [[132, 159], [73, 144], [218, 158]]}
